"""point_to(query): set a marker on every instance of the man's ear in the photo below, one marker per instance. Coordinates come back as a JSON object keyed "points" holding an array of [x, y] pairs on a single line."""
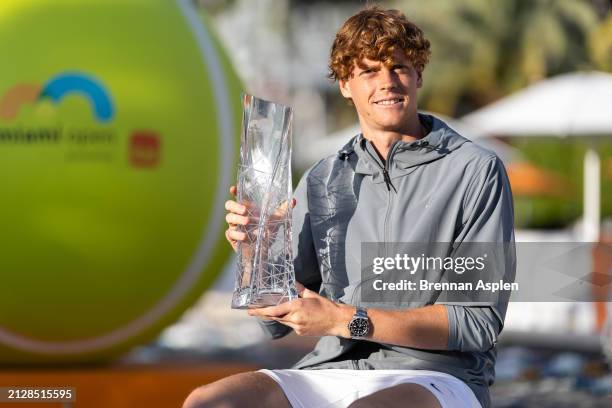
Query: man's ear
{"points": [[419, 79], [344, 88]]}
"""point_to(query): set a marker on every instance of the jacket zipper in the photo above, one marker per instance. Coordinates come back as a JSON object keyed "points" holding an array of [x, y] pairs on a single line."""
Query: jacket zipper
{"points": [[387, 177], [389, 184], [386, 169]]}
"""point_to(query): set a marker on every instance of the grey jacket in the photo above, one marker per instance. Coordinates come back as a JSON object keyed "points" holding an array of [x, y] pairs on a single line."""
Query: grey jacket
{"points": [[442, 188]]}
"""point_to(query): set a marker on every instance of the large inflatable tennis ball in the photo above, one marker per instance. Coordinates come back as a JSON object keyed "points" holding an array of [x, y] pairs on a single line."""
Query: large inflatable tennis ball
{"points": [[118, 131]]}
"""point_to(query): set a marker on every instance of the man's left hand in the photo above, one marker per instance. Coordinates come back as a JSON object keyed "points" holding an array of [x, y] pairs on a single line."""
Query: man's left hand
{"points": [[309, 315]]}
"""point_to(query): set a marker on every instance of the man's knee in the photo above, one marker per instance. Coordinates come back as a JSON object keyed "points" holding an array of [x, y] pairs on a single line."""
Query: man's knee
{"points": [[236, 391], [198, 398], [364, 402], [372, 402], [209, 396]]}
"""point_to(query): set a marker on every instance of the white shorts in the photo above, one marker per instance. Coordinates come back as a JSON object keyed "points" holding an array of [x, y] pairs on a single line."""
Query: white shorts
{"points": [[335, 388]]}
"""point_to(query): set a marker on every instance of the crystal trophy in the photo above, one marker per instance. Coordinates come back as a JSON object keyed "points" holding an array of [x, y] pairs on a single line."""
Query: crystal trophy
{"points": [[265, 274]]}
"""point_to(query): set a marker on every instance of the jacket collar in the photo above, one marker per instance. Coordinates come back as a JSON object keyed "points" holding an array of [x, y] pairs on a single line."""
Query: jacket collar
{"points": [[404, 156]]}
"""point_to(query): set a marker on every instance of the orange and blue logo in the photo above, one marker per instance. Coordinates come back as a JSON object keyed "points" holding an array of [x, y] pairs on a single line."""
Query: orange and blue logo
{"points": [[56, 89]]}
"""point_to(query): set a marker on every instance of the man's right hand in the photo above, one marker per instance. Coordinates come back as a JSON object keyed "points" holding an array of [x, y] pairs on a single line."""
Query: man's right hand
{"points": [[236, 216]]}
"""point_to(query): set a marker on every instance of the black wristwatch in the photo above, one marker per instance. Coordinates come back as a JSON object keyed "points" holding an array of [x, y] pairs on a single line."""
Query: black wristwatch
{"points": [[359, 326]]}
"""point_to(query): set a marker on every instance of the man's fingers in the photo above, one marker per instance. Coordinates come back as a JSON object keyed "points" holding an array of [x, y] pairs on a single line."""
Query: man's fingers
{"points": [[293, 202], [235, 207], [233, 190], [272, 311], [235, 235], [233, 243], [235, 219]]}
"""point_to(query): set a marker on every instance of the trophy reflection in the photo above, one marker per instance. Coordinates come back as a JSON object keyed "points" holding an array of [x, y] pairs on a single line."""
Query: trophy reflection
{"points": [[265, 273]]}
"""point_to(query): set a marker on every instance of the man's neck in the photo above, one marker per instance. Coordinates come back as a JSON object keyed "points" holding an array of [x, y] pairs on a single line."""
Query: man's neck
{"points": [[384, 139]]}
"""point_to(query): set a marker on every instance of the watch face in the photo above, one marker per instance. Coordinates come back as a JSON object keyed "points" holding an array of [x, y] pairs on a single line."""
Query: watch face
{"points": [[359, 326]]}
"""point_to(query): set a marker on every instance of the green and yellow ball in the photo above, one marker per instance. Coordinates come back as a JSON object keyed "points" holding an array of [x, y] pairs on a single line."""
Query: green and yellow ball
{"points": [[118, 138]]}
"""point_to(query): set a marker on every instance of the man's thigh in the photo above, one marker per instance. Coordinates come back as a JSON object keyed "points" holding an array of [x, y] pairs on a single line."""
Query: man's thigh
{"points": [[240, 390], [406, 395]]}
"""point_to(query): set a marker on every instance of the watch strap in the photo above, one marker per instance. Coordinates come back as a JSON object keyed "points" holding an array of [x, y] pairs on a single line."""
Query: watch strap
{"points": [[360, 312]]}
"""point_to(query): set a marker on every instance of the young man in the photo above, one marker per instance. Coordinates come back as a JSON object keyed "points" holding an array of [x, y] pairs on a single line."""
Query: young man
{"points": [[407, 177]]}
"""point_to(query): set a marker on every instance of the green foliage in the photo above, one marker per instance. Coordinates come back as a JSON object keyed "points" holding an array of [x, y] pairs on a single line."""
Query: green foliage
{"points": [[564, 158], [600, 43], [483, 50]]}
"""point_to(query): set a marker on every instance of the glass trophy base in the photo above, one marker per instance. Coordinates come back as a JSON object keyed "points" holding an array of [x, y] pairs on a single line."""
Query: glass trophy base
{"points": [[243, 300]]}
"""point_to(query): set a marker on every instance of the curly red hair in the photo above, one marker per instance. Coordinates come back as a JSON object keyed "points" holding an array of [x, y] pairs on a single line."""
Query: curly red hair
{"points": [[375, 33]]}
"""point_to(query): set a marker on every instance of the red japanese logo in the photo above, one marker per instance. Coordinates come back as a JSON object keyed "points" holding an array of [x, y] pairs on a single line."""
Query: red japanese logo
{"points": [[145, 149]]}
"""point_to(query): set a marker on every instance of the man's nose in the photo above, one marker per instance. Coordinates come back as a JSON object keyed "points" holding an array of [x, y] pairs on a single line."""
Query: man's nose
{"points": [[388, 79]]}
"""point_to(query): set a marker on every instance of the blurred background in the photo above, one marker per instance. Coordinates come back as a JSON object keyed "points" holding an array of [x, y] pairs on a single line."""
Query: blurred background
{"points": [[119, 129]]}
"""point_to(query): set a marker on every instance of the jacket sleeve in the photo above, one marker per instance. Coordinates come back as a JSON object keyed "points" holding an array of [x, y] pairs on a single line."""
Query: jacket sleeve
{"points": [[488, 218], [305, 262]]}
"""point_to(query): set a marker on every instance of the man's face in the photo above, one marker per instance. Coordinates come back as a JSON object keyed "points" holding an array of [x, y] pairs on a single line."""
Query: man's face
{"points": [[385, 97]]}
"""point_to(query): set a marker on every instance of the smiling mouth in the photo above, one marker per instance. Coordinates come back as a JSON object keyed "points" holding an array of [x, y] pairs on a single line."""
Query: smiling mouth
{"points": [[389, 102]]}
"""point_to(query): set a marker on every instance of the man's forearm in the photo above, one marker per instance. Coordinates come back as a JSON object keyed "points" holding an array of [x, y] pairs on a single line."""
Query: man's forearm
{"points": [[424, 327]]}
